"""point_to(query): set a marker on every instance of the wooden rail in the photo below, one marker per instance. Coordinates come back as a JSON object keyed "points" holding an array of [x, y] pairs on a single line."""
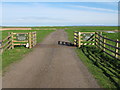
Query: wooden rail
{"points": [[6, 43], [10, 41], [103, 43], [99, 41]]}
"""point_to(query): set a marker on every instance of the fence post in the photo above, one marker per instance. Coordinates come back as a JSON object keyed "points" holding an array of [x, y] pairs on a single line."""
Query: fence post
{"points": [[101, 40], [117, 45], [33, 41], [30, 46], [79, 39], [12, 37], [75, 38], [96, 36], [35, 38], [104, 40], [9, 39], [94, 39]]}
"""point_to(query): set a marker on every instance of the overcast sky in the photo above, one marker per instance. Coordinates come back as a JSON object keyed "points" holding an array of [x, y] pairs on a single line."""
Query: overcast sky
{"points": [[59, 13]]}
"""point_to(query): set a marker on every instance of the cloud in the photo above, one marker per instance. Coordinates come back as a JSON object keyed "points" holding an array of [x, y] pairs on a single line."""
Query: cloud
{"points": [[43, 14], [98, 9], [36, 19]]}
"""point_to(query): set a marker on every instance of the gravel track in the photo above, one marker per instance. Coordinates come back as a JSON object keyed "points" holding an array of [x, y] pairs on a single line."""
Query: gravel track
{"points": [[50, 66]]}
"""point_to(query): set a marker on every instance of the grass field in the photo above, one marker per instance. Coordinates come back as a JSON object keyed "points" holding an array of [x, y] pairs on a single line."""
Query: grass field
{"points": [[104, 69], [18, 53]]}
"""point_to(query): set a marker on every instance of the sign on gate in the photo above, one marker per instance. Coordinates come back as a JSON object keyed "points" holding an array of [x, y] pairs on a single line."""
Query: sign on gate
{"points": [[21, 37], [86, 36]]}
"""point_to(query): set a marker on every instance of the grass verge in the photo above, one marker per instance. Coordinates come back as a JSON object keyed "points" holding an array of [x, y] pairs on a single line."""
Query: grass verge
{"points": [[13, 55], [100, 68]]}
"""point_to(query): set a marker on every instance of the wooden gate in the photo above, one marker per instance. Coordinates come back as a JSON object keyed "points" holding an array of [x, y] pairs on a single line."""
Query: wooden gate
{"points": [[108, 46], [84, 38], [13, 39], [28, 39]]}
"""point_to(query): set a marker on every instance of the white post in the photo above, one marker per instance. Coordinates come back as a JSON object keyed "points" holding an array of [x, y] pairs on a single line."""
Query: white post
{"points": [[79, 39], [117, 45]]}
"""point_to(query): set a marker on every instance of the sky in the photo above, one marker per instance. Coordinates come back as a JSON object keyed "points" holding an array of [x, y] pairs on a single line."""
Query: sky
{"points": [[59, 13], [60, 0]]}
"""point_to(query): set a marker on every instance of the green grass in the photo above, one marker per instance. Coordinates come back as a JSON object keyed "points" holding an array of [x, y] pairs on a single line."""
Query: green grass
{"points": [[103, 68], [18, 53], [94, 29], [100, 73]]}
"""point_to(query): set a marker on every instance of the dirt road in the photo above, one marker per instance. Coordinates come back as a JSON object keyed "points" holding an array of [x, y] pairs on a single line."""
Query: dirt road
{"points": [[50, 66], [2, 29]]}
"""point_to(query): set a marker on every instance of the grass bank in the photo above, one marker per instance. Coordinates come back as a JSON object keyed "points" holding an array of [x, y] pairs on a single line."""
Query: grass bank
{"points": [[18, 53], [104, 69]]}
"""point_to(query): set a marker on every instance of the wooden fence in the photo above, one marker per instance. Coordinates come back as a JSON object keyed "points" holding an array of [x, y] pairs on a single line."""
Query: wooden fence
{"points": [[108, 46], [11, 40], [6, 43]]}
